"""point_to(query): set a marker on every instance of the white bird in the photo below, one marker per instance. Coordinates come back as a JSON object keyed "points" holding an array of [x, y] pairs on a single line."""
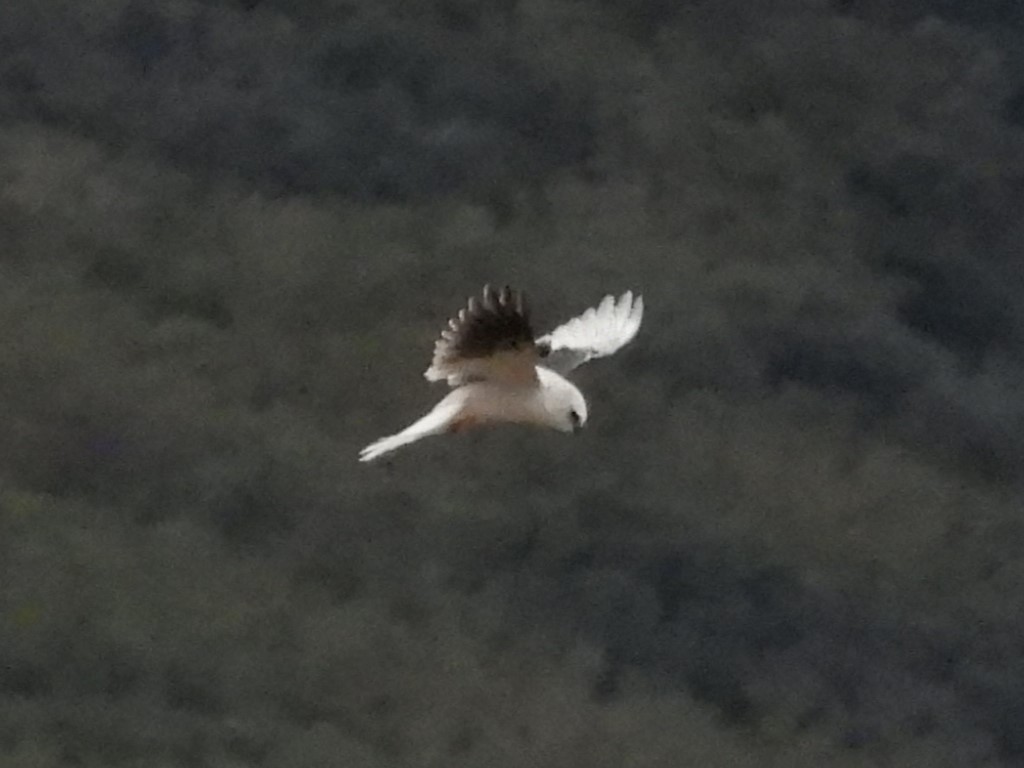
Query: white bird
{"points": [[500, 373]]}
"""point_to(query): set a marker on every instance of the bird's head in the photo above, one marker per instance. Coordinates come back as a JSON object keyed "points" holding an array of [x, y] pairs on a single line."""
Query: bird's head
{"points": [[566, 410]]}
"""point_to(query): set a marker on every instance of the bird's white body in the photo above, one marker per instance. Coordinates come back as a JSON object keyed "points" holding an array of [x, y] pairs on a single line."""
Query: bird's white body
{"points": [[507, 386], [473, 405]]}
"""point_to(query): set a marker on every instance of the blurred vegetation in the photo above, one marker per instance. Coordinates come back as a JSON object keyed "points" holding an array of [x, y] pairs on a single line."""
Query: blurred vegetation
{"points": [[791, 535]]}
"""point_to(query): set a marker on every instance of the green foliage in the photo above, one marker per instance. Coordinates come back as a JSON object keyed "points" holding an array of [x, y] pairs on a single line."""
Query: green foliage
{"points": [[230, 231]]}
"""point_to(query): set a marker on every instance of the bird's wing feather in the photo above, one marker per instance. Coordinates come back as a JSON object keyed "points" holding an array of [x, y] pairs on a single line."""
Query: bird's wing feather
{"points": [[490, 340], [441, 419], [598, 332]]}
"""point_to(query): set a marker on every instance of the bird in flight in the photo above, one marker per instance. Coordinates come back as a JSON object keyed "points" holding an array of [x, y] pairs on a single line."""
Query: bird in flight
{"points": [[499, 372]]}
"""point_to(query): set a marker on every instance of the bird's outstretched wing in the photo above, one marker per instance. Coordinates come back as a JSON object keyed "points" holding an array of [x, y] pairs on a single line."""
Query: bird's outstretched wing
{"points": [[598, 332], [490, 340], [443, 418]]}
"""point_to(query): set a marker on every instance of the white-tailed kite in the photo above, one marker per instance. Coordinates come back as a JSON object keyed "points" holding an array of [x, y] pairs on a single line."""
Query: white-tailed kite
{"points": [[500, 373]]}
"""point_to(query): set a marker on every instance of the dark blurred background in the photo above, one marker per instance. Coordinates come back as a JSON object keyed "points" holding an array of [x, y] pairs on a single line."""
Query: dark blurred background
{"points": [[792, 533]]}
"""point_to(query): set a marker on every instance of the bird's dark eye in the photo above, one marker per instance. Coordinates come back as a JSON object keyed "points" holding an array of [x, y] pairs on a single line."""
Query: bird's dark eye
{"points": [[574, 418]]}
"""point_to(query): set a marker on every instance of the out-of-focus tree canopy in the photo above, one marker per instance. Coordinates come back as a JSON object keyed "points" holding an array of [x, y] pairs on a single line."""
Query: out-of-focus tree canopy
{"points": [[791, 534]]}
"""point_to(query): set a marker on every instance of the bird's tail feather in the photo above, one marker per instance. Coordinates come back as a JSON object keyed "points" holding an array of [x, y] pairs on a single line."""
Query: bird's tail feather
{"points": [[434, 423]]}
